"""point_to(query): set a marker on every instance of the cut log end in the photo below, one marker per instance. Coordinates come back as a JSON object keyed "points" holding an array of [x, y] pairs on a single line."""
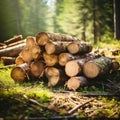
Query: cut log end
{"points": [[72, 68], [73, 48], [18, 74], [76, 82], [30, 41], [50, 48], [91, 69], [42, 38]]}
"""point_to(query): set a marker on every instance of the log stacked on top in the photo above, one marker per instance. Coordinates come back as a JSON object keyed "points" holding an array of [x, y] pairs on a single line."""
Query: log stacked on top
{"points": [[62, 59]]}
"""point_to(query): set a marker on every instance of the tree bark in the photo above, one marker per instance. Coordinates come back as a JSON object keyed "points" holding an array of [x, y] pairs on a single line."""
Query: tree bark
{"points": [[8, 60], [76, 82], [96, 67], [55, 76], [12, 51], [56, 47], [81, 48], [14, 39], [20, 73]]}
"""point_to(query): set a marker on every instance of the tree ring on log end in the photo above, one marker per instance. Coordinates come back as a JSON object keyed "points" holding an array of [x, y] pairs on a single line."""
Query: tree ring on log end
{"points": [[73, 48], [72, 68], [18, 74], [91, 69]]}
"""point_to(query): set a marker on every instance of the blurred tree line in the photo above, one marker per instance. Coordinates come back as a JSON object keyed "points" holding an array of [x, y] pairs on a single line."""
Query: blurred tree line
{"points": [[87, 19]]}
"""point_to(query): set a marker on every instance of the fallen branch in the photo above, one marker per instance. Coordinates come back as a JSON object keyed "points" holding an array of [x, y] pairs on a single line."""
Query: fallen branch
{"points": [[78, 106]]}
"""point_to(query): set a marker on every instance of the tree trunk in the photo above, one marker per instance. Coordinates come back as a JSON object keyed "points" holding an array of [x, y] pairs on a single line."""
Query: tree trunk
{"points": [[56, 47], [12, 51], [37, 68], [20, 73], [50, 60], [44, 37], [76, 82], [117, 19], [14, 39], [95, 67], [81, 48], [55, 76], [8, 60]]}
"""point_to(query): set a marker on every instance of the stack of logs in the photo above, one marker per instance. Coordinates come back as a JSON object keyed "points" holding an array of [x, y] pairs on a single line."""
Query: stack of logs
{"points": [[60, 58]]}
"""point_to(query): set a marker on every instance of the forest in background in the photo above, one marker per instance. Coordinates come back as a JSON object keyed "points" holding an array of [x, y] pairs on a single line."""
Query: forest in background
{"points": [[89, 20]]}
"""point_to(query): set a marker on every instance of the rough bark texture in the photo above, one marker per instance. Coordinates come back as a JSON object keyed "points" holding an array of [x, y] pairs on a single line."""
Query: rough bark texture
{"points": [[76, 82], [95, 67], [12, 51], [55, 47], [14, 39], [8, 60]]}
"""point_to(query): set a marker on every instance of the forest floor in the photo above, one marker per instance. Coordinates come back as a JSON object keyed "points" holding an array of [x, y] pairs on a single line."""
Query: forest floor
{"points": [[34, 100]]}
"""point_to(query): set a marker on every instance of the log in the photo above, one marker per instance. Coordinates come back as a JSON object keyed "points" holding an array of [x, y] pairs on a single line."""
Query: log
{"points": [[50, 60], [16, 43], [44, 37], [19, 60], [12, 51], [14, 39], [55, 76], [20, 73], [26, 55], [37, 68], [30, 41], [35, 52], [74, 67], [56, 47], [8, 60], [79, 47], [63, 58], [76, 82], [96, 67]]}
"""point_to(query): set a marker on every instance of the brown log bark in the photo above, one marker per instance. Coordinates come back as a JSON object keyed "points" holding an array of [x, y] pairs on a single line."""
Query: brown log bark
{"points": [[20, 73], [75, 83], [12, 51], [26, 55], [56, 47], [55, 76], [16, 43], [8, 60], [96, 67], [81, 48], [19, 60], [37, 68], [30, 41], [14, 39], [50, 60], [43, 37]]}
